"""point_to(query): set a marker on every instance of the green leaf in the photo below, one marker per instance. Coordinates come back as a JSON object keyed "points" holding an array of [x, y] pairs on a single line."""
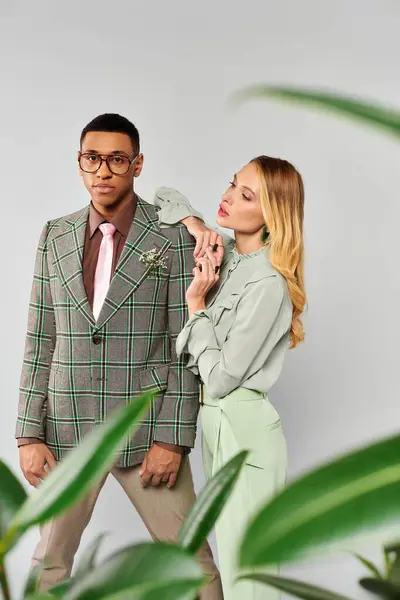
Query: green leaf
{"points": [[4, 585], [378, 116], [388, 563], [88, 559], [351, 494], [388, 550], [370, 566], [395, 571], [32, 582], [59, 590], [211, 500], [178, 590], [383, 589], [142, 569], [175, 590], [393, 547], [294, 587], [86, 564], [12, 497], [75, 475]]}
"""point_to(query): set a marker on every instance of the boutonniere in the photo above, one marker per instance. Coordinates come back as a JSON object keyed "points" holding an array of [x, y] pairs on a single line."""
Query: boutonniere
{"points": [[153, 259]]}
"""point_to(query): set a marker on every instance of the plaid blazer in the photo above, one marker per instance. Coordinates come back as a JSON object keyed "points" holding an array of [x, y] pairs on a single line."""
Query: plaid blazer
{"points": [[76, 371]]}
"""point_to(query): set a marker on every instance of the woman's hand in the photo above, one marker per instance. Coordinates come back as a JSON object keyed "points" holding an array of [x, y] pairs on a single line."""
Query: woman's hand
{"points": [[205, 238], [206, 274]]}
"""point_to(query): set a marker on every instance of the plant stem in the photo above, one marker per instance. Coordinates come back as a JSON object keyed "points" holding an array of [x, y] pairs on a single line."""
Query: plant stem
{"points": [[3, 581], [388, 564]]}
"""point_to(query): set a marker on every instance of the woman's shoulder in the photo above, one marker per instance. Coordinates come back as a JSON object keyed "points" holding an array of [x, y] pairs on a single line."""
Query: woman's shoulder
{"points": [[258, 266], [262, 275]]}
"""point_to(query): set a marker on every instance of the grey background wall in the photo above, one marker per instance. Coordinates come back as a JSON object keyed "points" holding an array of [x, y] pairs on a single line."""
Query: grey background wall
{"points": [[171, 67]]}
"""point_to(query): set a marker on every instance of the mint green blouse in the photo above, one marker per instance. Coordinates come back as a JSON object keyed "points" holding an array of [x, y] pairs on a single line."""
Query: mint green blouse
{"points": [[241, 338]]}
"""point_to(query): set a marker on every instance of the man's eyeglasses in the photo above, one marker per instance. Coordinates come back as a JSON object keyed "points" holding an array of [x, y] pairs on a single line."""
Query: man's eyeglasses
{"points": [[118, 164]]}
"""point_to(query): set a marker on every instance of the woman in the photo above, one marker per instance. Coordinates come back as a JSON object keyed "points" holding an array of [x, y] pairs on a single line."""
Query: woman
{"points": [[242, 319]]}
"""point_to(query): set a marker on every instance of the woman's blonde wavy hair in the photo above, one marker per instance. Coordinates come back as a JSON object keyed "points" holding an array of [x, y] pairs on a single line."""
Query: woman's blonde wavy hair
{"points": [[282, 202]]}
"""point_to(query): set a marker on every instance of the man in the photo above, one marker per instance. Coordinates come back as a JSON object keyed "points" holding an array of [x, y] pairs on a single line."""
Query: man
{"points": [[107, 303]]}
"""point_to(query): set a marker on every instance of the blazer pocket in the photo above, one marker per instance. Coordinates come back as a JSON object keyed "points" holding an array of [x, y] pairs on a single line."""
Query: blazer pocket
{"points": [[153, 291], [154, 379]]}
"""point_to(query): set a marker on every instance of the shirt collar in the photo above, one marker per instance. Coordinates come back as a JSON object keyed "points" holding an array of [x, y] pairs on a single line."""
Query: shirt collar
{"points": [[122, 221]]}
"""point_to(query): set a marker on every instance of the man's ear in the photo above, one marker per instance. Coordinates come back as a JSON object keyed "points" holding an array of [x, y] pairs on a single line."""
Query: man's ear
{"points": [[79, 168], [138, 166]]}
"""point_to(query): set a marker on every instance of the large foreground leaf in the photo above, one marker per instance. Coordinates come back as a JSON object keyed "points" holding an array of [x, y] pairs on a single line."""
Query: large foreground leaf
{"points": [[141, 572], [12, 497], [356, 492], [88, 560], [372, 114], [209, 504], [59, 590], [76, 474], [383, 589], [86, 564], [295, 588]]}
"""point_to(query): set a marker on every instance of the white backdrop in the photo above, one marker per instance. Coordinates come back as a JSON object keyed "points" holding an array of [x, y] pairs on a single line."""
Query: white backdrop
{"points": [[170, 67]]}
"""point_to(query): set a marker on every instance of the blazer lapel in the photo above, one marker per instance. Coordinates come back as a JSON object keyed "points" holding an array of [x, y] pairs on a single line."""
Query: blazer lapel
{"points": [[130, 272], [68, 254]]}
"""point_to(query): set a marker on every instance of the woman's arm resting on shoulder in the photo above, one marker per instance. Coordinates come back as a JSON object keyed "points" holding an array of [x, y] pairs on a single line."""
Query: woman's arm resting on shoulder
{"points": [[175, 208]]}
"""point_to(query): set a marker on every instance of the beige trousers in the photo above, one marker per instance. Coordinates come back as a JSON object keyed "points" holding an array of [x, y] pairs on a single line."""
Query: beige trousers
{"points": [[162, 510]]}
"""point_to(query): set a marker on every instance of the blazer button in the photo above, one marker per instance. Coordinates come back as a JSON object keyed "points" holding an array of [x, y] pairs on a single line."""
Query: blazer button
{"points": [[96, 340]]}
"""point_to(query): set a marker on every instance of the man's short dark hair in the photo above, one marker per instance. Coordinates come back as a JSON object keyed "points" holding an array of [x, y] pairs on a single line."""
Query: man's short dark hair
{"points": [[114, 124]]}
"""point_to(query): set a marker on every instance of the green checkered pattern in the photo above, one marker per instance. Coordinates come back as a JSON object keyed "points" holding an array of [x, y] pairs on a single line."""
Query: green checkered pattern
{"points": [[76, 371]]}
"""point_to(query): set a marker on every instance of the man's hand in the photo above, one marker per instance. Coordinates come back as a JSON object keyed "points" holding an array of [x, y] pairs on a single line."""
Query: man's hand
{"points": [[32, 459], [205, 238], [160, 465]]}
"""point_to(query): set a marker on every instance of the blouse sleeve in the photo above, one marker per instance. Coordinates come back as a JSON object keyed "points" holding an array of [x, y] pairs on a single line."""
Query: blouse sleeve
{"points": [[253, 335], [174, 206]]}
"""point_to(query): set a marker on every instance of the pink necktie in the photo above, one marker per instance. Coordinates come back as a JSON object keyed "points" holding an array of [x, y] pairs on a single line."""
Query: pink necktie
{"points": [[103, 268]]}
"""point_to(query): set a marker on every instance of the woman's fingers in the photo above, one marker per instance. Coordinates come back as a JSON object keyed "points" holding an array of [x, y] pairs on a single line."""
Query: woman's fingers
{"points": [[210, 270], [207, 268], [197, 272], [213, 241], [206, 243], [214, 261], [199, 245], [220, 250], [209, 239], [212, 258], [216, 245]]}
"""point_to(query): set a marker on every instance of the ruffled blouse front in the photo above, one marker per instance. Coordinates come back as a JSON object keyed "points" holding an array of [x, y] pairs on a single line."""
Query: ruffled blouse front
{"points": [[241, 338]]}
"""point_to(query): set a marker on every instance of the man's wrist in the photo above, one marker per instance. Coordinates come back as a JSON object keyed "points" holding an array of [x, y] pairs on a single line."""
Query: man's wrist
{"points": [[27, 441], [172, 447]]}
